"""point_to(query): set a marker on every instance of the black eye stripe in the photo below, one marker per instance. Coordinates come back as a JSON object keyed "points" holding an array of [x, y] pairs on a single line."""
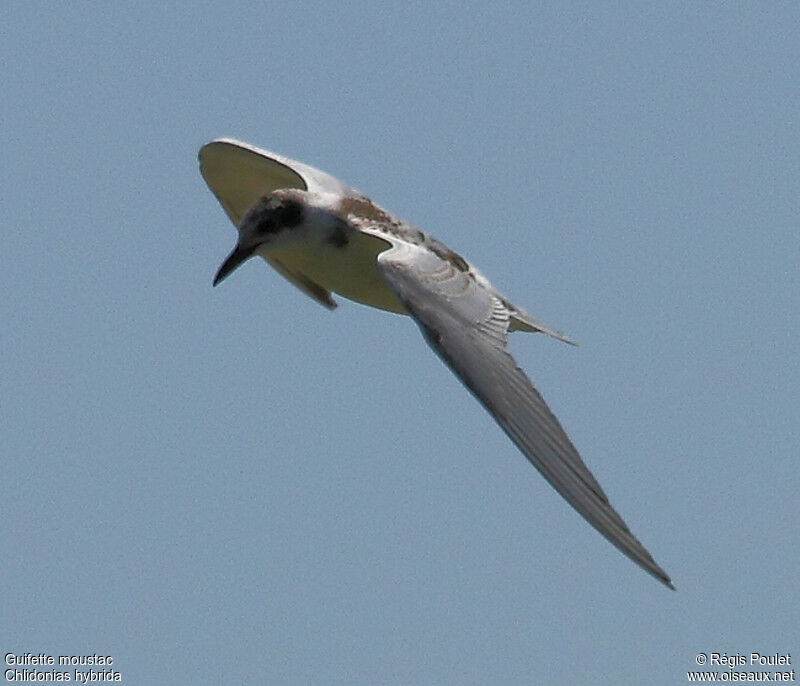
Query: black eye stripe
{"points": [[277, 214], [289, 213]]}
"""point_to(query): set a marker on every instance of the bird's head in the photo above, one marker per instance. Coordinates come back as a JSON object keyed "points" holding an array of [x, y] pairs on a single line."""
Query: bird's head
{"points": [[267, 219]]}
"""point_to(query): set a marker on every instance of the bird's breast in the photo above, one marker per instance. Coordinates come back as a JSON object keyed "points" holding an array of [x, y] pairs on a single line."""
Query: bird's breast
{"points": [[341, 261]]}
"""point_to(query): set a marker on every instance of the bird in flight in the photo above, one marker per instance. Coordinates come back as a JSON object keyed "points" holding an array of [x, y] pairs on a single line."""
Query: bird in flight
{"points": [[324, 236]]}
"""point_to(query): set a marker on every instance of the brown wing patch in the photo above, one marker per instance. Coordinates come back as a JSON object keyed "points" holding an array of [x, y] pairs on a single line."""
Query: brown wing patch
{"points": [[458, 261], [364, 208]]}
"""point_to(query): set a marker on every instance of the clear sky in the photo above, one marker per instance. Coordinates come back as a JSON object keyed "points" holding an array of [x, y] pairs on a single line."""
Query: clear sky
{"points": [[234, 485]]}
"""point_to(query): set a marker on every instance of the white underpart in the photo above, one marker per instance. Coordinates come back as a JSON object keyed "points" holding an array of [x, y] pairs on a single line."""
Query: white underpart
{"points": [[350, 270]]}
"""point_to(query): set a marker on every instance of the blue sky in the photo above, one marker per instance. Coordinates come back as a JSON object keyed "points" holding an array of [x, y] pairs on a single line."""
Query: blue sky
{"points": [[234, 485]]}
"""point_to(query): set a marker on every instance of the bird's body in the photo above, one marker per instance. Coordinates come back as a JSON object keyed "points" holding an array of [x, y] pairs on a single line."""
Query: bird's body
{"points": [[334, 252], [326, 237]]}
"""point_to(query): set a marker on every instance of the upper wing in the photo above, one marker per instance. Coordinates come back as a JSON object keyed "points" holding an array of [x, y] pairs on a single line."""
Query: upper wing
{"points": [[239, 174], [467, 325]]}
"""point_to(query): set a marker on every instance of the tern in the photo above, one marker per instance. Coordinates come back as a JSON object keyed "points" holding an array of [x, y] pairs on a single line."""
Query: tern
{"points": [[324, 236]]}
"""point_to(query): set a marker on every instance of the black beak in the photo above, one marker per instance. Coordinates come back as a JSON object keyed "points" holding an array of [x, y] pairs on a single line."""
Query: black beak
{"points": [[232, 261]]}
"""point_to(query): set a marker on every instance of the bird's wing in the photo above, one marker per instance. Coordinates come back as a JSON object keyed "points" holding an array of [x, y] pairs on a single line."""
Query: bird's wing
{"points": [[466, 324], [239, 174]]}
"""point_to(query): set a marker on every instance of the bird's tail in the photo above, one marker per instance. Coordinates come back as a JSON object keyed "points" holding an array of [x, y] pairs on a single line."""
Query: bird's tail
{"points": [[522, 321]]}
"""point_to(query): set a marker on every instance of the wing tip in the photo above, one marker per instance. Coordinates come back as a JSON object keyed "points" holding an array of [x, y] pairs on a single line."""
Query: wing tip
{"points": [[218, 141], [662, 576]]}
